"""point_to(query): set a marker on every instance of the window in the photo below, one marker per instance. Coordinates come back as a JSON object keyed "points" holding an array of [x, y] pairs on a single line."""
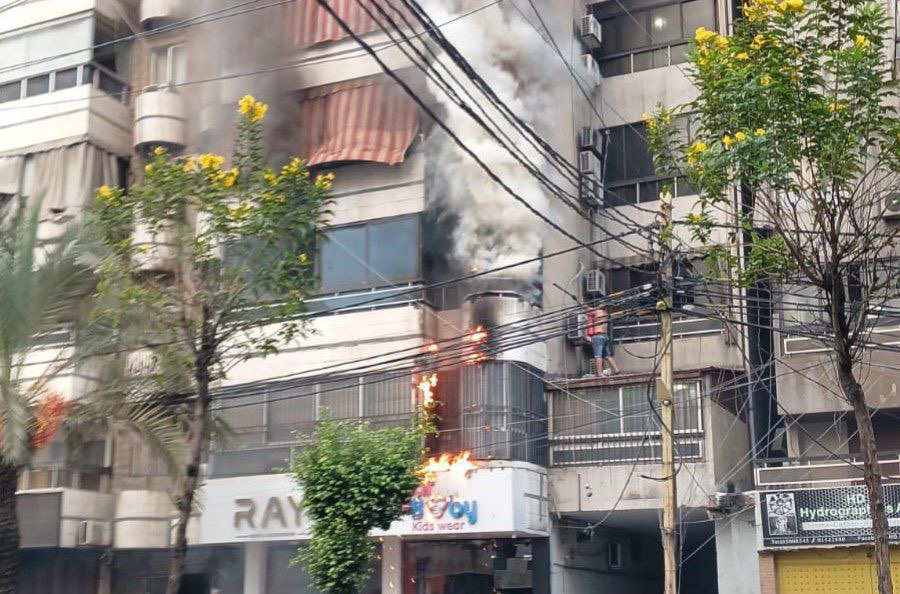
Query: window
{"points": [[37, 85], [373, 253], [646, 36], [614, 555], [168, 65], [11, 91], [629, 173], [65, 79], [266, 426], [621, 423]]}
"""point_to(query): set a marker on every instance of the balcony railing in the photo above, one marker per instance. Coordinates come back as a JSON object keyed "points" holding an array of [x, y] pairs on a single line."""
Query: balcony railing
{"points": [[822, 471]]}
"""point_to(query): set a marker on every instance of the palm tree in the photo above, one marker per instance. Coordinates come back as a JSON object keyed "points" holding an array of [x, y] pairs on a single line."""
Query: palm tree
{"points": [[41, 286]]}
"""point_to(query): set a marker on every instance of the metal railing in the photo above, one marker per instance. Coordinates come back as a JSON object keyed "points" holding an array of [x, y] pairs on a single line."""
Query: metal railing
{"points": [[828, 470]]}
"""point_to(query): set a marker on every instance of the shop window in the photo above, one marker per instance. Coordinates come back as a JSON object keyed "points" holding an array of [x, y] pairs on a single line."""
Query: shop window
{"points": [[474, 566], [644, 37], [370, 254]]}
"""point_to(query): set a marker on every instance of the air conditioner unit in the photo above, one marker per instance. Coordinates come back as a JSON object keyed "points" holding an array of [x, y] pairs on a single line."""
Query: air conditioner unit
{"points": [[90, 533], [892, 206], [576, 323], [590, 191], [593, 69], [590, 139], [590, 31], [589, 164], [594, 282]]}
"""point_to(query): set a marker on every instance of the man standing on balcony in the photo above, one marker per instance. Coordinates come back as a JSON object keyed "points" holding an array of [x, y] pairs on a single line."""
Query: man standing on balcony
{"points": [[598, 331]]}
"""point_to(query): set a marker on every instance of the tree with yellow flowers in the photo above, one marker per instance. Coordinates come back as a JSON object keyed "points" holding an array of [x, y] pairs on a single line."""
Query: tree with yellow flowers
{"points": [[795, 154], [204, 265]]}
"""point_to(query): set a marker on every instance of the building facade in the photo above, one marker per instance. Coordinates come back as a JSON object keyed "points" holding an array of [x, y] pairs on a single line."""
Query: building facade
{"points": [[567, 496]]}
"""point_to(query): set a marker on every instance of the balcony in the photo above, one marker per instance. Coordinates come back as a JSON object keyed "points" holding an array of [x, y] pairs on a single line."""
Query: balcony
{"points": [[85, 102], [823, 471], [605, 438], [159, 119], [155, 12]]}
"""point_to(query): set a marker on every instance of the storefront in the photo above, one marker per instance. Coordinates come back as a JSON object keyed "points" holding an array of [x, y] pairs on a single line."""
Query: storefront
{"points": [[819, 540], [475, 531]]}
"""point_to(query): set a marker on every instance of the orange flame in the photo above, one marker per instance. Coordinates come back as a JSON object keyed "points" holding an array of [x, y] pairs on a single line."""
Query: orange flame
{"points": [[479, 334], [426, 387], [461, 465], [49, 413]]}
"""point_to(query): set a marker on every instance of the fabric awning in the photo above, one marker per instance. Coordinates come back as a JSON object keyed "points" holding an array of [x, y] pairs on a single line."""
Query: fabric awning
{"points": [[65, 179], [10, 174], [311, 24], [366, 119]]}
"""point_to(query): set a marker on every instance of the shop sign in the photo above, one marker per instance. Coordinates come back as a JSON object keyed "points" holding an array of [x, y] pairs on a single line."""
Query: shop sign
{"points": [[433, 512], [838, 515]]}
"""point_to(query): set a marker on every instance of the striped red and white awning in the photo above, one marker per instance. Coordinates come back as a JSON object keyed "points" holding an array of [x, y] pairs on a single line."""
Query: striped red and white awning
{"points": [[366, 119], [311, 24]]}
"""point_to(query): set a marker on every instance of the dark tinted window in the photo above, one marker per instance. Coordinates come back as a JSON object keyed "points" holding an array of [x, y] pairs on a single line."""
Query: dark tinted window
{"points": [[11, 91], [376, 253], [66, 79], [37, 85]]}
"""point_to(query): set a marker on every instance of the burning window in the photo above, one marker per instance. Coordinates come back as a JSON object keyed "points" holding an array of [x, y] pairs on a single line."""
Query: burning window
{"points": [[311, 24], [367, 119]]}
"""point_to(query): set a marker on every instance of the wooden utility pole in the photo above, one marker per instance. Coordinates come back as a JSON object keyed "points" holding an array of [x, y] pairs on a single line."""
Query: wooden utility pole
{"points": [[665, 393]]}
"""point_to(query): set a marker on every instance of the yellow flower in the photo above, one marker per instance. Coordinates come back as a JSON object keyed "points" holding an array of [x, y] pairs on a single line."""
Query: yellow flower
{"points": [[765, 79], [727, 141], [209, 161], [720, 42], [271, 178], [104, 192], [228, 178], [159, 151], [259, 111], [835, 106], [791, 6], [303, 257], [861, 41], [740, 136], [645, 117], [330, 177], [760, 131], [759, 40], [697, 148], [190, 164], [149, 168], [742, 56], [245, 105], [702, 35]]}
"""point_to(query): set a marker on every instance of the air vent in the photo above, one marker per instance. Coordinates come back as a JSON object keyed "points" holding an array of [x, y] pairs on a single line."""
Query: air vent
{"points": [[590, 31]]}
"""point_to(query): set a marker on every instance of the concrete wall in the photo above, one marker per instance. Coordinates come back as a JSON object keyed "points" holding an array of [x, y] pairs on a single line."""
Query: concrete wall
{"points": [[736, 566], [580, 564]]}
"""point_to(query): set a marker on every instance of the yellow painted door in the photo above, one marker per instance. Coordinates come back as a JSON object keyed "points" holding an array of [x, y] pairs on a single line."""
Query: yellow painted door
{"points": [[831, 571]]}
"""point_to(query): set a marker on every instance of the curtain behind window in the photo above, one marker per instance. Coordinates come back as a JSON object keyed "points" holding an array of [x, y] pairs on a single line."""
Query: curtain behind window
{"points": [[66, 178], [367, 119]]}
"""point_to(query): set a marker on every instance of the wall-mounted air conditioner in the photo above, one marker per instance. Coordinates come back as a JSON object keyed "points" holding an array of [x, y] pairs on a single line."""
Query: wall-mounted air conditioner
{"points": [[592, 68], [590, 191], [589, 164], [576, 325], [892, 206], [594, 282], [90, 533], [590, 31], [590, 139]]}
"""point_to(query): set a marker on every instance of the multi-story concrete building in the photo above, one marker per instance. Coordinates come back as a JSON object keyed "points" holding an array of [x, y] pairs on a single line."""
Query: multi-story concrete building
{"points": [[568, 493]]}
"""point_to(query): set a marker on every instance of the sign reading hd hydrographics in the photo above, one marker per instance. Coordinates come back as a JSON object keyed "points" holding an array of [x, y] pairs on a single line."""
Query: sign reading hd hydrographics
{"points": [[839, 515]]}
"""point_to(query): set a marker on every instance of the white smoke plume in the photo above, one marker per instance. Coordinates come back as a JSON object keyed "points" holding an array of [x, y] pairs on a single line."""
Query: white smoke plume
{"points": [[492, 229]]}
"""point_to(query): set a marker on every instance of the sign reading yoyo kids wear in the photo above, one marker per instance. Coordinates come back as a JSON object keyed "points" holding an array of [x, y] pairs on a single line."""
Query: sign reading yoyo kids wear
{"points": [[450, 497]]}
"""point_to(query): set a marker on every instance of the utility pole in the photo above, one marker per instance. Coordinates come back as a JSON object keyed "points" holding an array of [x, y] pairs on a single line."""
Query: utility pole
{"points": [[665, 393]]}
